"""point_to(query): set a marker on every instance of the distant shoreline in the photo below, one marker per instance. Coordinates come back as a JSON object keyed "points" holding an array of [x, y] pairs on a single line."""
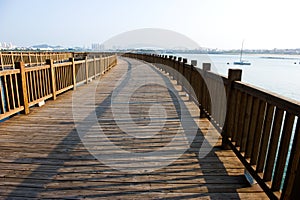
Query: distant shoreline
{"points": [[261, 55]]}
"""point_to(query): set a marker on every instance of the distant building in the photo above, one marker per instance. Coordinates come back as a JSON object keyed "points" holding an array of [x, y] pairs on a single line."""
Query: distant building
{"points": [[97, 47], [5, 45]]}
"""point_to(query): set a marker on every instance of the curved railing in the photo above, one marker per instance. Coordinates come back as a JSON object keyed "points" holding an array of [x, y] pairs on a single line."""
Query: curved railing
{"points": [[262, 128], [24, 86]]}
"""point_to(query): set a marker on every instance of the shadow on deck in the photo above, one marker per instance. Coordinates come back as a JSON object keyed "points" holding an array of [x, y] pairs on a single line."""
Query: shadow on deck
{"points": [[42, 155]]}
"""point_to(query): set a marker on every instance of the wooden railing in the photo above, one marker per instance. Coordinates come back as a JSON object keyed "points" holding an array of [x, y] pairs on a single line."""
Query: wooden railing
{"points": [[8, 60], [262, 128], [22, 87]]}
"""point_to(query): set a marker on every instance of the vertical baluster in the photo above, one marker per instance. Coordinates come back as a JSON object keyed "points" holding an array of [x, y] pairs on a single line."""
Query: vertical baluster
{"points": [[241, 120], [57, 71], [292, 181], [12, 92], [283, 151], [94, 64], [273, 144], [258, 133], [246, 123], [265, 138], [28, 86], [43, 81], [7, 99], [2, 101], [205, 67], [73, 73], [18, 104], [253, 122], [47, 81], [86, 70], [236, 116]]}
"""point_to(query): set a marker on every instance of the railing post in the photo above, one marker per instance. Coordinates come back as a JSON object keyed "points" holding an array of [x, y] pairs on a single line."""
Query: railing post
{"points": [[194, 63], [86, 70], [192, 80], [2, 64], [184, 62], [206, 67], [12, 60], [193, 68], [73, 72], [52, 77], [173, 65], [178, 67], [116, 59], [95, 72], [29, 57], [233, 75], [22, 84]]}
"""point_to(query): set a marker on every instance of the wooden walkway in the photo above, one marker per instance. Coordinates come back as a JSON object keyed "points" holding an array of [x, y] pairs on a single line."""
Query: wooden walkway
{"points": [[43, 154]]}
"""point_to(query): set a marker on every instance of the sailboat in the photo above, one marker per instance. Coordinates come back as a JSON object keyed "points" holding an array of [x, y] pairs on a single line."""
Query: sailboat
{"points": [[242, 62]]}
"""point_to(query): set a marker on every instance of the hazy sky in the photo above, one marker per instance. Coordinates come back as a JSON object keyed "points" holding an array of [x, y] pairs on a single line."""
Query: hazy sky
{"points": [[211, 23]]}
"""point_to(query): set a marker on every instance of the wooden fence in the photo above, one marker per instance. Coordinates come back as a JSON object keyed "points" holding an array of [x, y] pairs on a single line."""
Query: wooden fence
{"points": [[262, 128], [22, 87], [8, 60]]}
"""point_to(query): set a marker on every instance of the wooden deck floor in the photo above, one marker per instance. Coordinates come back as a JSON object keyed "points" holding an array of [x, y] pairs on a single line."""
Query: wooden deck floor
{"points": [[43, 154]]}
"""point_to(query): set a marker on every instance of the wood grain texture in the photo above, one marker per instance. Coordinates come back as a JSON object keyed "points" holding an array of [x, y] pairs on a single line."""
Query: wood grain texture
{"points": [[42, 155]]}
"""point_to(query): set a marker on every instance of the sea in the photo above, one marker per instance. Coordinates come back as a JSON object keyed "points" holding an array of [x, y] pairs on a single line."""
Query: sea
{"points": [[276, 73]]}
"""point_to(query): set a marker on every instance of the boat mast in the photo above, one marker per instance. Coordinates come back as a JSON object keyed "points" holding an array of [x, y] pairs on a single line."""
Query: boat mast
{"points": [[241, 55]]}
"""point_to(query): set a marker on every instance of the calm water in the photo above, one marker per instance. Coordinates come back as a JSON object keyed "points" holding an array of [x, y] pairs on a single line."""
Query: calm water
{"points": [[279, 75]]}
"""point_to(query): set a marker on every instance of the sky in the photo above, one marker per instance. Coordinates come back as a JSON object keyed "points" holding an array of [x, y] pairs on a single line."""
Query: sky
{"points": [[222, 24]]}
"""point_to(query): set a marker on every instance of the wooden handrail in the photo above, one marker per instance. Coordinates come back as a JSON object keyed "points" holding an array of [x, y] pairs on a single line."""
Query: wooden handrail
{"points": [[260, 127], [24, 86], [34, 58]]}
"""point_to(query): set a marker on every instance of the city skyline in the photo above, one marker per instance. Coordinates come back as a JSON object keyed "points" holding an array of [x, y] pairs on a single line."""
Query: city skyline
{"points": [[210, 23]]}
